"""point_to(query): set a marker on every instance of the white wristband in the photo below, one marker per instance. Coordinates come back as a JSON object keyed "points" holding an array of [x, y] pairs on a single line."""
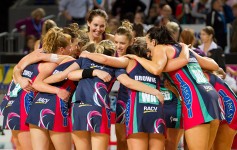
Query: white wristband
{"points": [[53, 58]]}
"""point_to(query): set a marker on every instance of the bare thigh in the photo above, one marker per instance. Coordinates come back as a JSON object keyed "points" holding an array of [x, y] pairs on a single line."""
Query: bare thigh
{"points": [[121, 136], [138, 141], [39, 138], [198, 134], [61, 140], [82, 139], [224, 138], [173, 138], [99, 141]]}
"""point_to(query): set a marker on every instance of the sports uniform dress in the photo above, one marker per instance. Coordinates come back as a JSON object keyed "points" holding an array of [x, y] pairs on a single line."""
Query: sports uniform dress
{"points": [[199, 99], [228, 98], [144, 112], [49, 111], [19, 102], [91, 104]]}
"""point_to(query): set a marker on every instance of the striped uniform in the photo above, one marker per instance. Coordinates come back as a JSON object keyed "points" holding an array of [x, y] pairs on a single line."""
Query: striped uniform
{"points": [[200, 101], [91, 104], [49, 111], [144, 112], [228, 98], [19, 102], [172, 107]]}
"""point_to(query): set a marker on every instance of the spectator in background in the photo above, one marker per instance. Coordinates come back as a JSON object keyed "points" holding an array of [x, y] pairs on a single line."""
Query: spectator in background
{"points": [[33, 24], [75, 11], [200, 11], [138, 30], [233, 45], [122, 7], [48, 24], [217, 20], [173, 4], [165, 16], [152, 15], [210, 48], [99, 4], [139, 19], [187, 37], [228, 12], [113, 25], [30, 43], [183, 12]]}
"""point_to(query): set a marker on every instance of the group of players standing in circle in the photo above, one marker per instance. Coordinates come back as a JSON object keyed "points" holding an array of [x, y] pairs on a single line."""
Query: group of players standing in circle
{"points": [[59, 94]]}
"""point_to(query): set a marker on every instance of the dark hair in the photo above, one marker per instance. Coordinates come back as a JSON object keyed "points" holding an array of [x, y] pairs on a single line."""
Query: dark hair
{"points": [[138, 28], [137, 50], [234, 6], [129, 16], [161, 34], [108, 52], [97, 12]]}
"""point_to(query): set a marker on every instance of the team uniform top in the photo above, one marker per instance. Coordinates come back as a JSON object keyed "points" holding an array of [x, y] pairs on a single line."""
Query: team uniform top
{"points": [[17, 92], [228, 97], [144, 112], [171, 107], [140, 74], [19, 102], [200, 100], [91, 107], [48, 110], [123, 93], [93, 90], [168, 95], [122, 98], [65, 84]]}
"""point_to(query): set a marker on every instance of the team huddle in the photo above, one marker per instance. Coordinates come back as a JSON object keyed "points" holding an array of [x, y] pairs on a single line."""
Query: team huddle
{"points": [[59, 94]]}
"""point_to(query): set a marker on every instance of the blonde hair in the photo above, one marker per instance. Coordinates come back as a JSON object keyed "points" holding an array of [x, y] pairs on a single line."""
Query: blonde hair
{"points": [[173, 27], [141, 41], [106, 47], [54, 39], [38, 12], [83, 38], [125, 29], [90, 47], [48, 24]]}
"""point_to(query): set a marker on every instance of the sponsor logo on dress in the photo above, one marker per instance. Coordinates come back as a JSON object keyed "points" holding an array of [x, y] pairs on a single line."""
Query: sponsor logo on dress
{"points": [[96, 66], [64, 112], [27, 73], [83, 105], [10, 103], [147, 109], [56, 71], [192, 59], [173, 119], [42, 100], [187, 95], [229, 106], [148, 98], [208, 88]]}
